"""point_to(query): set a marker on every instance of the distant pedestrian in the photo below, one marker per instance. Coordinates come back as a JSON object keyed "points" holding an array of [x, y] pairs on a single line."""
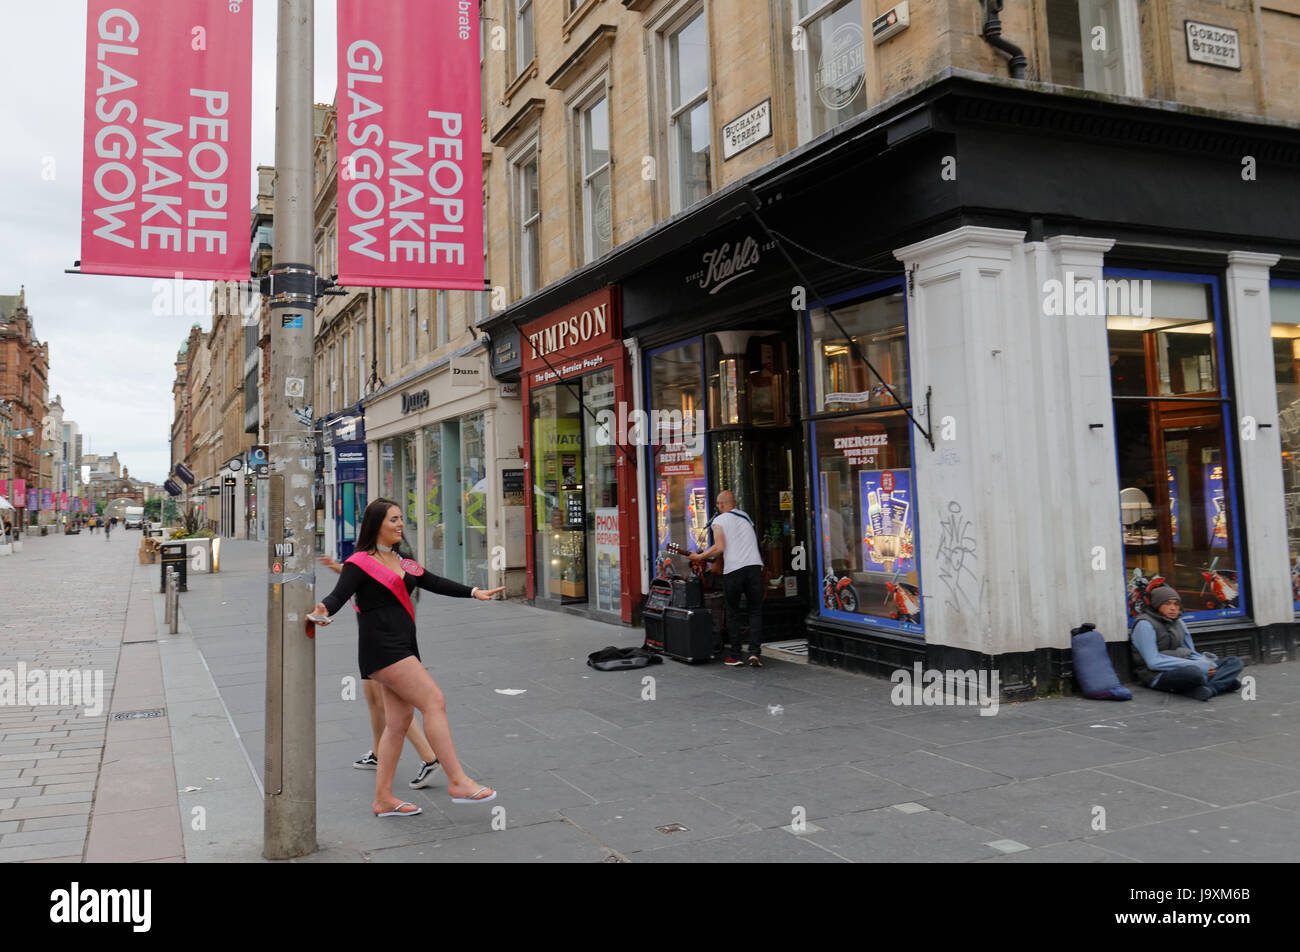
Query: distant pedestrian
{"points": [[9, 532], [108, 529], [736, 543]]}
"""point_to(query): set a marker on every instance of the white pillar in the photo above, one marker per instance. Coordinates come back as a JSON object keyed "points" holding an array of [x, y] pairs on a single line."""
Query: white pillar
{"points": [[1017, 505], [1091, 583], [966, 498], [1264, 526]]}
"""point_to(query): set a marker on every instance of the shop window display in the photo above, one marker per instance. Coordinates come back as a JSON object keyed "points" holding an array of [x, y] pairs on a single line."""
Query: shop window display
{"points": [[866, 520], [1177, 473], [474, 500], [600, 479], [842, 383], [434, 526], [559, 504], [681, 489], [1284, 298], [864, 478]]}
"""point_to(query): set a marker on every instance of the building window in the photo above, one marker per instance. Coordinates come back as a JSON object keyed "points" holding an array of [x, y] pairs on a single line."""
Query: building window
{"points": [[831, 76], [1173, 414], [523, 35], [1092, 44], [529, 218], [441, 307], [346, 367], [388, 331], [334, 377], [595, 199], [1284, 301], [864, 485], [362, 371], [690, 129], [412, 322], [482, 299]]}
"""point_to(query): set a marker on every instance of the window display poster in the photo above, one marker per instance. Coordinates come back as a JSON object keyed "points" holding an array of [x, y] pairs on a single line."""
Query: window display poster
{"points": [[661, 514], [886, 499], [1216, 513], [1173, 505], [574, 508], [697, 515], [607, 580]]}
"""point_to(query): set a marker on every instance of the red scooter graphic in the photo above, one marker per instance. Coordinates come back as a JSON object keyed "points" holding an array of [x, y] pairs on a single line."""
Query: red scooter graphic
{"points": [[1224, 592], [907, 600], [839, 593], [1139, 590]]}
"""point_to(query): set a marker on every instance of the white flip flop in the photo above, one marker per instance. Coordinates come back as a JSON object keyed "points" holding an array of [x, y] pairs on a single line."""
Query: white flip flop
{"points": [[476, 794], [400, 812]]}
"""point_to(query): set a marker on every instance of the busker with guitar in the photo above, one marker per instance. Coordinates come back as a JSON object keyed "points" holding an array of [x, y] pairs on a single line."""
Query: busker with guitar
{"points": [[735, 541], [382, 581]]}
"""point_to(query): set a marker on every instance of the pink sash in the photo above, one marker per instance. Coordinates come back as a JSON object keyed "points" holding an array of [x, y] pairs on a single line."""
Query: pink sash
{"points": [[385, 577]]}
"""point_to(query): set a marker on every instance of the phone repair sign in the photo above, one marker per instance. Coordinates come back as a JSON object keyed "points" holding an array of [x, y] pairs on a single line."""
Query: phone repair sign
{"points": [[1213, 45]]}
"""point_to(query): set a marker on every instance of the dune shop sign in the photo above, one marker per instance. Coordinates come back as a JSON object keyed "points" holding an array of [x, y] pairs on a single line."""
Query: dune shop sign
{"points": [[168, 138], [410, 151], [585, 326], [412, 402]]}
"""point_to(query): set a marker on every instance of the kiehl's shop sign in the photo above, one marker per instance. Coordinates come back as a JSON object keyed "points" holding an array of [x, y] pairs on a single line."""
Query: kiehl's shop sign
{"points": [[586, 325]]}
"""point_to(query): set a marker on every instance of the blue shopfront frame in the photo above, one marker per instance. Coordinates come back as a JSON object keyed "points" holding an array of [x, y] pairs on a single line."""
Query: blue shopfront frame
{"points": [[814, 419], [1229, 440]]}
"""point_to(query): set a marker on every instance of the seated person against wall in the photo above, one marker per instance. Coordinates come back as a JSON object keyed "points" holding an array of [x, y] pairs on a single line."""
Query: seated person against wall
{"points": [[1165, 658]]}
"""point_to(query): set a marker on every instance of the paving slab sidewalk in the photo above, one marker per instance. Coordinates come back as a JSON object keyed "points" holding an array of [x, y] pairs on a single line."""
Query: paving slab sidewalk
{"points": [[84, 785], [694, 766]]}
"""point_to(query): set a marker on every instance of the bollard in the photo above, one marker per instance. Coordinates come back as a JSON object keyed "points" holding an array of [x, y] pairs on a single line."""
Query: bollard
{"points": [[176, 601], [167, 597]]}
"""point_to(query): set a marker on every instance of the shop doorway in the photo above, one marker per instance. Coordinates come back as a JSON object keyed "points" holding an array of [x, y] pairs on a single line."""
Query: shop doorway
{"points": [[755, 451], [576, 506]]}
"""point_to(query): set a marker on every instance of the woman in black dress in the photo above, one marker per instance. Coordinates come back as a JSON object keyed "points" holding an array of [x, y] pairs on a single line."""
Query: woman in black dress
{"points": [[387, 651]]}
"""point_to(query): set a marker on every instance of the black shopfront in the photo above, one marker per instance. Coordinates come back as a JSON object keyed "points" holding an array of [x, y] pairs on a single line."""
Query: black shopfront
{"points": [[754, 315]]}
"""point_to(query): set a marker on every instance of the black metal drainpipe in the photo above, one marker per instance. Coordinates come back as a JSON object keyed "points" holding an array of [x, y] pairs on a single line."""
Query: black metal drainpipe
{"points": [[993, 36]]}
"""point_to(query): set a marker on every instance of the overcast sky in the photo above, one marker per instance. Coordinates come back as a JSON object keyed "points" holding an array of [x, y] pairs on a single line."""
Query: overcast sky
{"points": [[111, 359]]}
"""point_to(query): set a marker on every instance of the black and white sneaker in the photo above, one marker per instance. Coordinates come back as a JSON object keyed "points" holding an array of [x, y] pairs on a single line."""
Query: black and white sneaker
{"points": [[368, 762], [425, 777]]}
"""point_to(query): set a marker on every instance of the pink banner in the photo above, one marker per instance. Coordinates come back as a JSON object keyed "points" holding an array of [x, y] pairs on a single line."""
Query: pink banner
{"points": [[4, 487], [63, 501], [168, 138], [410, 180], [20, 493]]}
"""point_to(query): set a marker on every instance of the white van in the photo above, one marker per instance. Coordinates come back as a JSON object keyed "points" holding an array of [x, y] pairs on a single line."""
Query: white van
{"points": [[134, 517]]}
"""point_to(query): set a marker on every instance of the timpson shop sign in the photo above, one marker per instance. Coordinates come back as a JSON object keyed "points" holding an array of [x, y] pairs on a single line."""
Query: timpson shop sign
{"points": [[567, 341]]}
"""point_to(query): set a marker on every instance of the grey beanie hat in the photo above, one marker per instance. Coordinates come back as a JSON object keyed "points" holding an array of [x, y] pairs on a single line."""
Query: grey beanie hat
{"points": [[1163, 593]]}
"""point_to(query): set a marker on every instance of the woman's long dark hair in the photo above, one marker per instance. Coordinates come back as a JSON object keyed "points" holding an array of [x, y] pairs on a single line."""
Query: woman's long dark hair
{"points": [[371, 522]]}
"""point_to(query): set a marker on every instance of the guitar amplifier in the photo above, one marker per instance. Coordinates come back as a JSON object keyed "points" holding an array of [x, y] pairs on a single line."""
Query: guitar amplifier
{"points": [[688, 634], [652, 615], [687, 593]]}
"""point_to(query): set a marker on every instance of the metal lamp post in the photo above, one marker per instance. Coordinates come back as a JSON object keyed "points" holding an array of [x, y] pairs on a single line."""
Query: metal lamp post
{"points": [[40, 483]]}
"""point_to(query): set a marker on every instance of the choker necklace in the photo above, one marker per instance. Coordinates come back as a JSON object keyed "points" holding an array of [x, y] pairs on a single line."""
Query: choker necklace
{"points": [[383, 548]]}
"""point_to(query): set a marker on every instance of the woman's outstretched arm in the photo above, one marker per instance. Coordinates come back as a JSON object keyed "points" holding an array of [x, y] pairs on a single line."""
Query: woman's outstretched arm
{"points": [[349, 579]]}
